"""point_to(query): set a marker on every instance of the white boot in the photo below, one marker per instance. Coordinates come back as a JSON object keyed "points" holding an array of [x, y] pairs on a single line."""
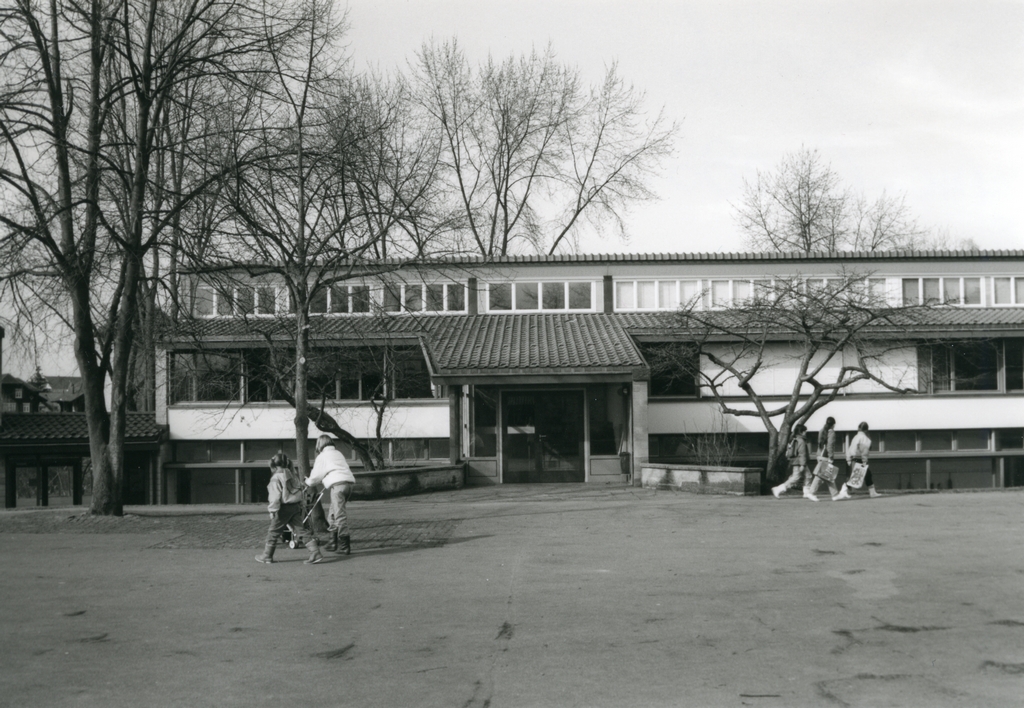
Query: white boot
{"points": [[873, 492], [781, 489], [843, 494], [808, 494]]}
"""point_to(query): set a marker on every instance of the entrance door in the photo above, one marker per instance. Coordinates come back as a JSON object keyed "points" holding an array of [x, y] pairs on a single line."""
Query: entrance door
{"points": [[543, 436]]}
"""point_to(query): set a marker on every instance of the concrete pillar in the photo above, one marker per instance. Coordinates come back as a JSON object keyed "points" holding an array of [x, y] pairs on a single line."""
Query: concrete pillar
{"points": [[472, 303], [76, 482], [609, 295], [10, 471], [161, 476], [42, 483], [454, 424], [160, 386], [640, 428]]}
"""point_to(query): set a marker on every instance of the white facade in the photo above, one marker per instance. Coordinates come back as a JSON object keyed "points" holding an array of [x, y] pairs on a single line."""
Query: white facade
{"points": [[579, 329]]}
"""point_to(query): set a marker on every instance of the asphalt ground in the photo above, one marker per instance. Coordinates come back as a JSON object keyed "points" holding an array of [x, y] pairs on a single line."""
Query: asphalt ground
{"points": [[525, 596]]}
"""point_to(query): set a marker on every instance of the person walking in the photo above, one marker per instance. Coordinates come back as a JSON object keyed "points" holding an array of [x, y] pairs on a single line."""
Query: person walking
{"points": [[796, 451], [857, 460], [331, 469], [825, 469], [285, 507]]}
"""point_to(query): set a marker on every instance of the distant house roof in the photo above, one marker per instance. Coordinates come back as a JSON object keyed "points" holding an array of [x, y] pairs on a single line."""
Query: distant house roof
{"points": [[64, 388], [8, 380], [70, 428]]}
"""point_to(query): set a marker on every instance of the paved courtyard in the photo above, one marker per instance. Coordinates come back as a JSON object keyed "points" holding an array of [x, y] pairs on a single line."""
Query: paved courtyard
{"points": [[525, 596]]}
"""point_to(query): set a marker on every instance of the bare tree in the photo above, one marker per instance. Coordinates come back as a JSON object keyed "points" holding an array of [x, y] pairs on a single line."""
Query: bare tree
{"points": [[85, 93], [803, 205], [827, 335], [329, 187], [530, 154]]}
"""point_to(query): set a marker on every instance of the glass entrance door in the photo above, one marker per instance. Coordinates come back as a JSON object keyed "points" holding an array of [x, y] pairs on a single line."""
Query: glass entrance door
{"points": [[542, 436]]}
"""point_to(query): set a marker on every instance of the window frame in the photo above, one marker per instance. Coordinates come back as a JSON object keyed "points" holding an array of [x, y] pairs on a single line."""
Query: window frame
{"points": [[633, 284], [542, 287], [944, 282], [404, 288]]}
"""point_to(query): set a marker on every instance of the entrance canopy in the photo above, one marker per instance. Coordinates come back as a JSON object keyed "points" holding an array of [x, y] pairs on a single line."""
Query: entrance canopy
{"points": [[535, 348]]}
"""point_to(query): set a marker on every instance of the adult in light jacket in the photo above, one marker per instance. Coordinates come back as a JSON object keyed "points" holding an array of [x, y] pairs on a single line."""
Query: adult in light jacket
{"points": [[332, 471]]}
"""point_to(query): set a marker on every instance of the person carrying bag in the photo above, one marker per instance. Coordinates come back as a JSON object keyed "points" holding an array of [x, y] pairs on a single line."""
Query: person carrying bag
{"points": [[825, 469], [857, 459]]}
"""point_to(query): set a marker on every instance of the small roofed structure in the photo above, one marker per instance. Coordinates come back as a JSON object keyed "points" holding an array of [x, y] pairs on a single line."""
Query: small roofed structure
{"points": [[45, 459]]}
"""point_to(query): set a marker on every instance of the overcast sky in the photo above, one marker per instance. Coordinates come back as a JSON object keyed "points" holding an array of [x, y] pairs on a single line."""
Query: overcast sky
{"points": [[923, 98]]}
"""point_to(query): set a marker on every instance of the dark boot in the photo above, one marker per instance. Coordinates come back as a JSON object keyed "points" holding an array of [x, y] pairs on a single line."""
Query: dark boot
{"points": [[268, 553], [332, 545], [314, 552], [346, 544]]}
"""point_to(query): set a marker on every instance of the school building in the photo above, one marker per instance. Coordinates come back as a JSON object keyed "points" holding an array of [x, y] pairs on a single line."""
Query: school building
{"points": [[535, 369], [532, 369]]}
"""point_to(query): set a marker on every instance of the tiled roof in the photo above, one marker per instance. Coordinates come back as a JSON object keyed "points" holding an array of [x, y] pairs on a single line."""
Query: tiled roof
{"points": [[383, 266], [71, 427], [562, 342], [944, 320], [530, 342], [840, 256]]}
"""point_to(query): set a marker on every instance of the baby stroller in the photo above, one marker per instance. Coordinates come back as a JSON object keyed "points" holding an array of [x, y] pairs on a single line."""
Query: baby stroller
{"points": [[291, 535]]}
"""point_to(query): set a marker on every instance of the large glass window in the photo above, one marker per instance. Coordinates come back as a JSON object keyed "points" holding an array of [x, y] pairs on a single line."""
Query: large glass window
{"points": [[1014, 358], [266, 300], [225, 301], [500, 296], [645, 295], [608, 417], [318, 303], [435, 298], [655, 294], [942, 291], [911, 291], [936, 440], [392, 297], [580, 296], [203, 303], [668, 294], [959, 366], [414, 297], [206, 376], [972, 291], [485, 422], [624, 295], [527, 296], [534, 296], [900, 441], [261, 374], [972, 439], [674, 368], [412, 379], [553, 296], [1002, 292], [245, 300], [720, 293], [359, 298], [951, 291]]}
